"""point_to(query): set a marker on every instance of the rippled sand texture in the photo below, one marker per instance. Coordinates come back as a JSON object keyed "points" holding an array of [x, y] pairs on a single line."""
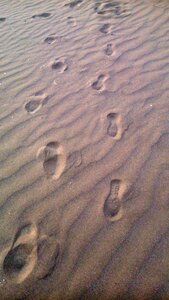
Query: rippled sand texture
{"points": [[84, 140]]}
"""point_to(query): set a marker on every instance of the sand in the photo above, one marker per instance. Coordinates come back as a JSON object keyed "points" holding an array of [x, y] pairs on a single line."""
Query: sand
{"points": [[84, 140]]}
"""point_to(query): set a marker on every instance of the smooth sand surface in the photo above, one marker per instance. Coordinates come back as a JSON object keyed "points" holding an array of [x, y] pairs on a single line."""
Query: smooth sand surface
{"points": [[84, 149]]}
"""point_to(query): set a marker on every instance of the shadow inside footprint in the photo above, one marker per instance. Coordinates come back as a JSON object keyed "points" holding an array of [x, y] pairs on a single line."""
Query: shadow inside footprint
{"points": [[33, 106], [17, 259], [20, 260], [43, 15], [59, 66], [2, 19], [50, 165], [112, 205], [50, 40], [54, 145], [112, 128], [105, 28], [98, 84]]}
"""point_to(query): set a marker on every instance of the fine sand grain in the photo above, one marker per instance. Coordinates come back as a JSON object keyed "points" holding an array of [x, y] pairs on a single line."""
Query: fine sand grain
{"points": [[84, 149]]}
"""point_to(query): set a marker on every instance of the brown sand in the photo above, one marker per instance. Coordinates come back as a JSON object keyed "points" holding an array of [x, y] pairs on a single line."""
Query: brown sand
{"points": [[84, 149]]}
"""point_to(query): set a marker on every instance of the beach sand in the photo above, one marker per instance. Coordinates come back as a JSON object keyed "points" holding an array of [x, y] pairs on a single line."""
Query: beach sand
{"points": [[84, 149]]}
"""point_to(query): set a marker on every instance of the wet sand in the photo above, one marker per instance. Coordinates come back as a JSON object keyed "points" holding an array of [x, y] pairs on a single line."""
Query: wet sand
{"points": [[84, 140]]}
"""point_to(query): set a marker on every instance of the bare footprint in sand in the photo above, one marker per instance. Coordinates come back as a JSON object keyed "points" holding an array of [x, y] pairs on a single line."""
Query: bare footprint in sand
{"points": [[43, 15], [106, 28], [21, 258], [36, 102], [74, 3], [54, 159], [2, 19], [99, 83], [60, 66], [114, 127], [109, 50], [112, 206]]}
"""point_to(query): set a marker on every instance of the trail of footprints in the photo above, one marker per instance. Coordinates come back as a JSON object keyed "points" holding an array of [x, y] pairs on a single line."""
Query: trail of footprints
{"points": [[30, 251]]}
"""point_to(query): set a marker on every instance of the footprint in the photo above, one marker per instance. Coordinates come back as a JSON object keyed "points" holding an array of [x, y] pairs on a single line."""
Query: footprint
{"points": [[43, 15], [53, 157], [99, 83], [112, 206], [36, 103], [106, 28], [33, 106], [114, 127], [109, 50], [104, 8], [21, 259], [59, 66], [2, 19], [115, 8], [74, 3], [50, 40], [32, 253], [71, 21]]}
